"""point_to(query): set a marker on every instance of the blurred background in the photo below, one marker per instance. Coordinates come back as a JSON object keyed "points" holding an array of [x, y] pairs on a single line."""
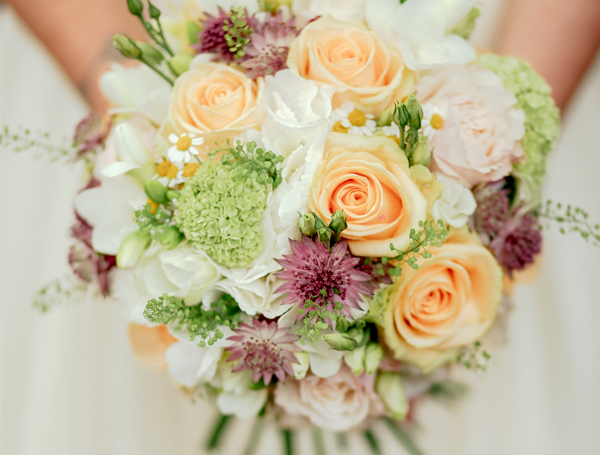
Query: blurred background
{"points": [[69, 382]]}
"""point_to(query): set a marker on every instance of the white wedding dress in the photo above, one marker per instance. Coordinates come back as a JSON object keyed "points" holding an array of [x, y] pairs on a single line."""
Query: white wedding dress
{"points": [[69, 382]]}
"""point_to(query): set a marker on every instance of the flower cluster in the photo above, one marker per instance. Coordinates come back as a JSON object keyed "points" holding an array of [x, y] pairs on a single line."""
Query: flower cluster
{"points": [[311, 209]]}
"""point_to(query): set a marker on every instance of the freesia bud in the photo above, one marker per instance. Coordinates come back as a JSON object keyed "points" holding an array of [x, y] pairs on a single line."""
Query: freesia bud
{"points": [[373, 357], [389, 388], [180, 64], [156, 191], [340, 341], [338, 224], [356, 360], [126, 46], [135, 7], [149, 53], [300, 368], [421, 153], [171, 237], [415, 112], [307, 225], [132, 248]]}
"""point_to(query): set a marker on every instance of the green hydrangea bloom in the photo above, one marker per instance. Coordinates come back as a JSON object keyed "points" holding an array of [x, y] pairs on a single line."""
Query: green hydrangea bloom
{"points": [[542, 117], [220, 211]]}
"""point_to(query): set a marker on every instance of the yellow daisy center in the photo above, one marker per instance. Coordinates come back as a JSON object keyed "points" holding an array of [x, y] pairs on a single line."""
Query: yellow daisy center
{"points": [[190, 169], [184, 143], [339, 128], [436, 121], [167, 169], [357, 118], [153, 205]]}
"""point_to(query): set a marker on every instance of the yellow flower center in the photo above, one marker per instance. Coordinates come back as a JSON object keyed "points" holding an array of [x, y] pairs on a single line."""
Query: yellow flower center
{"points": [[184, 143], [172, 172], [339, 128], [153, 205], [436, 121], [167, 169], [190, 169], [357, 118]]}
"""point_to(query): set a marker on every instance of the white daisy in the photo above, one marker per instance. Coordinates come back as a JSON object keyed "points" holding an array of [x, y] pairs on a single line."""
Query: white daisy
{"points": [[433, 120], [354, 120], [391, 131], [183, 147], [169, 174]]}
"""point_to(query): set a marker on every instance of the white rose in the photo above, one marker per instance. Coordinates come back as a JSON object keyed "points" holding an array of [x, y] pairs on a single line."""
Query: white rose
{"points": [[456, 205], [342, 10], [256, 296], [421, 30]]}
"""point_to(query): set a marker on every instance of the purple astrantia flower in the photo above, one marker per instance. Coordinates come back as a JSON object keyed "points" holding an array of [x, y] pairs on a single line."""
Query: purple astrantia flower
{"points": [[269, 46], [264, 349], [325, 277], [492, 211], [90, 134], [517, 243]]}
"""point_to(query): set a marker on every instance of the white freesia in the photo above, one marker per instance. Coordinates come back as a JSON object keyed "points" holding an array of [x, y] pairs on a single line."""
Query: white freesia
{"points": [[237, 398], [110, 210], [137, 89], [189, 364], [456, 204], [342, 10], [134, 157], [421, 30], [297, 116]]}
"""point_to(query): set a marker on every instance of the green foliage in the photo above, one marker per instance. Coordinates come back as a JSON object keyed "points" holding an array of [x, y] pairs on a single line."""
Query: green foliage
{"points": [[570, 219], [252, 162], [447, 392], [473, 357], [237, 32], [465, 27], [25, 139], [170, 310], [311, 224], [433, 233], [154, 221], [408, 116], [60, 291], [315, 318]]}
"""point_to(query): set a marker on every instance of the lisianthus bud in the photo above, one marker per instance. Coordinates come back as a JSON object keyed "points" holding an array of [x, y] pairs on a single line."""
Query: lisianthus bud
{"points": [[356, 360], [340, 341], [153, 10], [385, 119], [300, 368], [324, 234], [180, 64], [307, 225], [150, 53], [156, 191], [415, 112], [421, 153], [400, 115], [171, 237], [126, 46], [338, 224], [135, 7], [389, 388], [373, 357], [132, 248]]}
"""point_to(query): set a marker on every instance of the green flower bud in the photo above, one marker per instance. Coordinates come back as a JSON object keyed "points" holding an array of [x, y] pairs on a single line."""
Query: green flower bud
{"points": [[135, 7], [359, 335], [156, 191], [338, 224], [172, 194], [356, 360], [193, 29], [180, 64], [415, 111], [385, 119], [324, 234], [373, 357], [150, 53], [400, 116], [132, 248], [421, 152], [126, 46], [340, 341], [171, 237], [154, 11], [301, 368], [342, 324], [307, 225], [389, 388]]}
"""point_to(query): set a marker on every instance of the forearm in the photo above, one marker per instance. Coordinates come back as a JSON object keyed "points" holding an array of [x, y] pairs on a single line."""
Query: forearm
{"points": [[79, 34], [558, 37]]}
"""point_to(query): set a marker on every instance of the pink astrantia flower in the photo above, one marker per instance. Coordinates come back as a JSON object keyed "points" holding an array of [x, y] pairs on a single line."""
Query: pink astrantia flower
{"points": [[269, 46], [325, 277], [264, 349]]}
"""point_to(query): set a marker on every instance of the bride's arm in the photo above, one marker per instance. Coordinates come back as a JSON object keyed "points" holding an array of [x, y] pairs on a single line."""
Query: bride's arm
{"points": [[79, 35], [558, 37]]}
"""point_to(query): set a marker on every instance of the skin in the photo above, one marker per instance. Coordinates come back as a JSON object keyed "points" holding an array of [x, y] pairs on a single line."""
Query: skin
{"points": [[559, 38]]}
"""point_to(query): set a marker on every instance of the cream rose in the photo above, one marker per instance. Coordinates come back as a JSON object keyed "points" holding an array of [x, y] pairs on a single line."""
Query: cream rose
{"points": [[449, 301], [368, 179], [213, 97], [352, 60], [337, 403]]}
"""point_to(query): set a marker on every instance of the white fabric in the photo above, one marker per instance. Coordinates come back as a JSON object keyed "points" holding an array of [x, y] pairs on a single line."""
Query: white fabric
{"points": [[70, 385]]}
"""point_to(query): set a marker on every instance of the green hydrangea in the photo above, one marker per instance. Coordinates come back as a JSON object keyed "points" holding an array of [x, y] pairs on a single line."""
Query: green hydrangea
{"points": [[220, 211], [542, 117]]}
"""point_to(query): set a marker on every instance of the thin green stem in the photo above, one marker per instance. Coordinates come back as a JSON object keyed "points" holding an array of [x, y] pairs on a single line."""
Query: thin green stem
{"points": [[156, 70], [288, 441], [319, 441], [217, 432], [165, 46], [342, 440], [373, 442], [402, 437], [255, 436]]}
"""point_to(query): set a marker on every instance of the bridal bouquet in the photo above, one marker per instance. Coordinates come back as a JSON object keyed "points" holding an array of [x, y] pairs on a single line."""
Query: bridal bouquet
{"points": [[313, 210]]}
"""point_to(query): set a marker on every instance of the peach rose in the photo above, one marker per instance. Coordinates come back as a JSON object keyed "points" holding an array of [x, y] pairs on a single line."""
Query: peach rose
{"points": [[352, 60], [213, 97], [368, 179], [451, 300], [149, 344]]}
